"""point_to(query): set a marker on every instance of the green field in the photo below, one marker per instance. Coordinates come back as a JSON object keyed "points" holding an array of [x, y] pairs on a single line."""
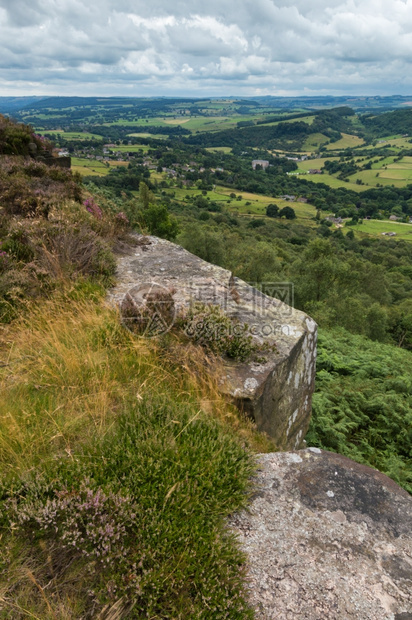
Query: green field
{"points": [[347, 141], [332, 181], [193, 123], [132, 148], [375, 228], [397, 143], [219, 149], [328, 179], [316, 164], [385, 172], [212, 123], [156, 121], [73, 135], [313, 141], [304, 119], [91, 167], [257, 202], [156, 136]]}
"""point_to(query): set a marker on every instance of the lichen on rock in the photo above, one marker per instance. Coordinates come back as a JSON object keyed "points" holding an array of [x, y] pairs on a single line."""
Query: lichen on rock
{"points": [[326, 538]]}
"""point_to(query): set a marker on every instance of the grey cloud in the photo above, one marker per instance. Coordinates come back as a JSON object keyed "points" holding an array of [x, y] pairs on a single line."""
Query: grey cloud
{"points": [[273, 46]]}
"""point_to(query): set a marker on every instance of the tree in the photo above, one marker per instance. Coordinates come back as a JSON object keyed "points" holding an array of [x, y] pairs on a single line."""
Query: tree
{"points": [[145, 195], [158, 222], [377, 321], [401, 324], [288, 213], [272, 210], [350, 235], [204, 242], [316, 271]]}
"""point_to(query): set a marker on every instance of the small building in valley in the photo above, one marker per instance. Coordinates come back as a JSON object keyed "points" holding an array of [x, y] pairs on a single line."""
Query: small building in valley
{"points": [[263, 163]]}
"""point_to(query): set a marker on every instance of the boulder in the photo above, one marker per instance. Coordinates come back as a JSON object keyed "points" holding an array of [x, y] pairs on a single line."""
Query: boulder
{"points": [[326, 538], [276, 388]]}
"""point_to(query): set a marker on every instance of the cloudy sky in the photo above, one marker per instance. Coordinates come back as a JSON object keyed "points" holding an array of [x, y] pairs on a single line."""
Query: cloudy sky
{"points": [[225, 47]]}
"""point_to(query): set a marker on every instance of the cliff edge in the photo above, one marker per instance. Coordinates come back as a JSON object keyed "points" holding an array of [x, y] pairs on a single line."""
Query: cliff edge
{"points": [[276, 390]]}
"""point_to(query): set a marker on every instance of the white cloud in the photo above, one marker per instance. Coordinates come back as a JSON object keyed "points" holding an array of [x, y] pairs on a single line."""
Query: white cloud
{"points": [[271, 46]]}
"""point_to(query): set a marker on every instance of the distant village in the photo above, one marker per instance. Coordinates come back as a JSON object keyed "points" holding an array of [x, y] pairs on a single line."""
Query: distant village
{"points": [[111, 153]]}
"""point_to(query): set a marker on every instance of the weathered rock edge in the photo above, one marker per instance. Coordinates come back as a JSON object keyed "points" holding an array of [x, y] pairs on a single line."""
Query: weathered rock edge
{"points": [[276, 393], [326, 538]]}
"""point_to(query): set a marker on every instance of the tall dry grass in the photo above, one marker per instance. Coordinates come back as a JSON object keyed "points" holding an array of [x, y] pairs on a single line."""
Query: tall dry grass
{"points": [[67, 367]]}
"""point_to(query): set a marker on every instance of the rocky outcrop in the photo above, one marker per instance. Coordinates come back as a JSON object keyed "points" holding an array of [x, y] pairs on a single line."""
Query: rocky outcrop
{"points": [[276, 390], [326, 538]]}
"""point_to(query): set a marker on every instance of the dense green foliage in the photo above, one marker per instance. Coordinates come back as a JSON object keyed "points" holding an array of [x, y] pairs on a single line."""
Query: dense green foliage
{"points": [[362, 406], [364, 286], [398, 121], [289, 136]]}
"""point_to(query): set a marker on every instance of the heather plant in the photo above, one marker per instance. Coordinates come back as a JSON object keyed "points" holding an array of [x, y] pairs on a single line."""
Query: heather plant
{"points": [[29, 188], [15, 138], [87, 522], [49, 234], [18, 242], [37, 255], [93, 208], [121, 219], [4, 259], [68, 252], [151, 537], [211, 328]]}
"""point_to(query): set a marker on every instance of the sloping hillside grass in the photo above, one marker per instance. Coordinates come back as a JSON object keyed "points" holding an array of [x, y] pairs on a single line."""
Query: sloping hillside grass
{"points": [[376, 228], [119, 462]]}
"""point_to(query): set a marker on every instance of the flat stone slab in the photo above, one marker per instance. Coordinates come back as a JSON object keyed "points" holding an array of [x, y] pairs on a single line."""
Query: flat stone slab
{"points": [[326, 538], [276, 391]]}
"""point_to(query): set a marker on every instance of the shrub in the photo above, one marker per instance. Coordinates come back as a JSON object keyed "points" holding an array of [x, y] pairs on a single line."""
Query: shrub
{"points": [[72, 252], [210, 327], [135, 531], [93, 208], [272, 210], [88, 522], [29, 188], [157, 221], [15, 139], [288, 213]]}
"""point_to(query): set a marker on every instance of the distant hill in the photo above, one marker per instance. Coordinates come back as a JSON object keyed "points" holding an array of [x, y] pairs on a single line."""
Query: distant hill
{"points": [[390, 102], [13, 104], [390, 123], [162, 104]]}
